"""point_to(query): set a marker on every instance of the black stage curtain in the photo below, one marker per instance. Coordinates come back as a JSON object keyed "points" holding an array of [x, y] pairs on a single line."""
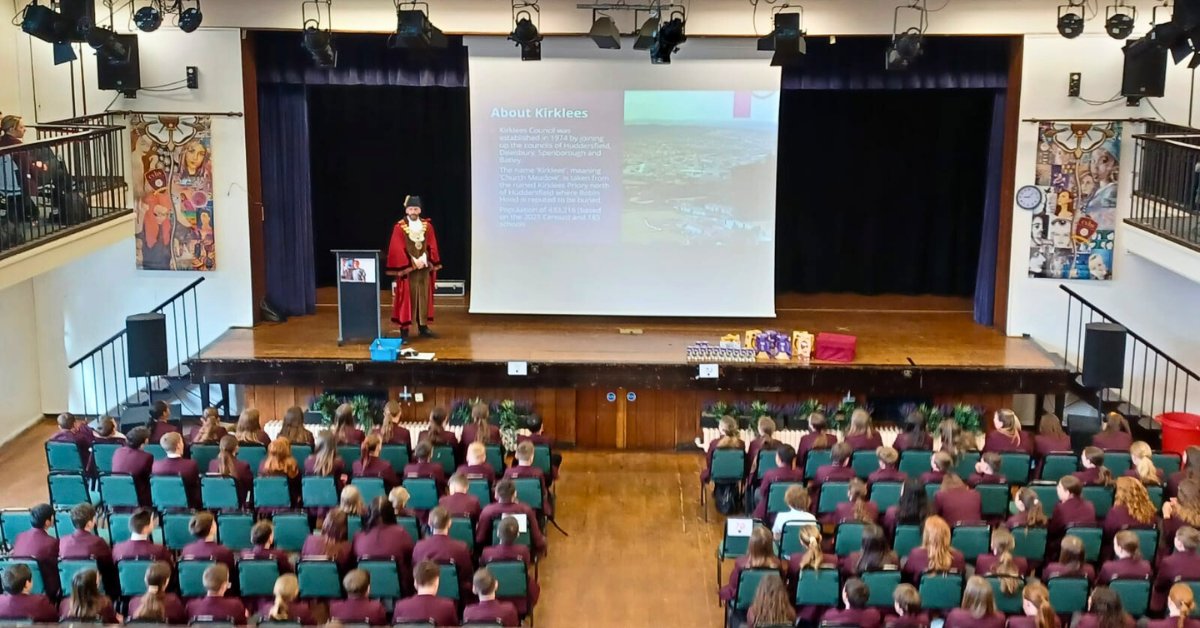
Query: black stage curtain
{"points": [[881, 191], [372, 145]]}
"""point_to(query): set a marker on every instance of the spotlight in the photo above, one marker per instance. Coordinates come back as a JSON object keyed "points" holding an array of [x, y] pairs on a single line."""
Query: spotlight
{"points": [[190, 18], [319, 46], [414, 30], [1119, 19], [52, 27], [107, 44], [904, 49], [645, 34], [787, 40], [526, 34], [605, 33], [1070, 20], [670, 36], [147, 19]]}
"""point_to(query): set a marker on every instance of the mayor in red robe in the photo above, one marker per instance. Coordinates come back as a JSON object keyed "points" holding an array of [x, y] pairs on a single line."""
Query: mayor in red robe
{"points": [[414, 260]]}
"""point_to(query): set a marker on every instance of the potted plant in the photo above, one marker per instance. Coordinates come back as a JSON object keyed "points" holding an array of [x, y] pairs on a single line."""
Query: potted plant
{"points": [[839, 415], [326, 404], [511, 418], [364, 412], [711, 416], [968, 417], [460, 412]]}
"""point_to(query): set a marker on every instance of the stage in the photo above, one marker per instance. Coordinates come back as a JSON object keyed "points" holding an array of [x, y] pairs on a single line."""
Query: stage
{"points": [[580, 366]]}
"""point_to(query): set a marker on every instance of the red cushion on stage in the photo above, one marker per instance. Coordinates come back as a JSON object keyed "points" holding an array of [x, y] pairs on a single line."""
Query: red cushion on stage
{"points": [[835, 347]]}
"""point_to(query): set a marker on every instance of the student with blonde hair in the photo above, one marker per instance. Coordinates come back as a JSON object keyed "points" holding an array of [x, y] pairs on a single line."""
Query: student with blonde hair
{"points": [[978, 608], [1128, 562], [1008, 436], [1072, 561], [1116, 435], [888, 458], [862, 433], [249, 430], [772, 605], [1035, 603], [1143, 468], [1181, 564], [210, 431], [1002, 561], [1181, 601], [285, 607], [934, 555], [730, 439]]}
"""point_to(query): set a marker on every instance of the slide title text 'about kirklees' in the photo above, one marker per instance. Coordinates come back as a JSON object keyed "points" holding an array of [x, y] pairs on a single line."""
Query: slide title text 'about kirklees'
{"points": [[539, 112]]}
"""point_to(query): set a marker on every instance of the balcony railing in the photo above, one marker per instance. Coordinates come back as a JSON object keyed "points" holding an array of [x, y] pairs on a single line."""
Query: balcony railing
{"points": [[1166, 183], [71, 176]]}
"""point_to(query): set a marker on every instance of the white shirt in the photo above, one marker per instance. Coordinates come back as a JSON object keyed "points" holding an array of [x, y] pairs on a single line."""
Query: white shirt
{"points": [[792, 516]]}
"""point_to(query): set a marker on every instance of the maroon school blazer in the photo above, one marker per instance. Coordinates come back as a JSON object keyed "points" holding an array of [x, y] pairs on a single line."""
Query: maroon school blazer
{"points": [[1117, 441], [889, 474], [440, 610], [461, 505], [958, 504], [962, 618]]}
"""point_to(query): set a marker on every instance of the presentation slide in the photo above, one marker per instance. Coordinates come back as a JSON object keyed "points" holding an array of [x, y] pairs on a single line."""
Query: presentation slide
{"points": [[605, 185]]}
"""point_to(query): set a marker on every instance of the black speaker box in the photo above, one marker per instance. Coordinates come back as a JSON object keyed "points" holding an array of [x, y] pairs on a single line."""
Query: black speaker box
{"points": [[1145, 72], [146, 349], [1082, 427], [122, 75], [1103, 355]]}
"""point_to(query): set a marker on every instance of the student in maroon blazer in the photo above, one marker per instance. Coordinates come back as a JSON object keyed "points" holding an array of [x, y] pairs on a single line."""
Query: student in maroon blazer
{"points": [[176, 464], [987, 471], [84, 543], [764, 442], [331, 543], [524, 469], [358, 608], [911, 509], [159, 425], [1001, 562], [141, 527], [875, 554], [940, 464], [215, 606], [1007, 437], [1029, 511], [861, 434], [838, 469], [423, 467], [818, 437], [131, 460], [344, 426], [535, 426], [856, 508], [18, 603], [85, 602], [506, 504], [1051, 438], [1190, 469], [382, 538], [36, 543], [1132, 508], [489, 610], [855, 595], [1180, 604], [1105, 609], [477, 465], [1094, 472], [508, 550], [1115, 436], [914, 435], [1071, 561], [1072, 509], [887, 472], [978, 608], [957, 502], [1038, 612], [760, 554], [280, 463], [440, 548], [935, 553], [204, 527], [370, 465], [783, 472], [209, 431], [390, 431], [458, 502], [285, 607], [1182, 564], [325, 460], [478, 429], [71, 430], [426, 605], [906, 602], [249, 431], [436, 433], [157, 604], [227, 464], [1128, 563], [262, 537], [730, 438]]}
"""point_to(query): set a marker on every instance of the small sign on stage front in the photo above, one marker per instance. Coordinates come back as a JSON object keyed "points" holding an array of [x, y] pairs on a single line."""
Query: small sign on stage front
{"points": [[708, 371]]}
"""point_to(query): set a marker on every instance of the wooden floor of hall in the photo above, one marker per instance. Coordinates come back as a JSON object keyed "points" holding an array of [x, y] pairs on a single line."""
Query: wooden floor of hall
{"points": [[638, 554]]}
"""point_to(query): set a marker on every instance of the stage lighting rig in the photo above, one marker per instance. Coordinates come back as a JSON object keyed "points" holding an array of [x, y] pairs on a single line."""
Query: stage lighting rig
{"points": [[61, 28], [318, 41], [413, 28], [670, 36], [605, 32], [644, 37], [148, 18], [908, 44], [787, 38], [1119, 19], [525, 30], [1070, 18], [189, 18]]}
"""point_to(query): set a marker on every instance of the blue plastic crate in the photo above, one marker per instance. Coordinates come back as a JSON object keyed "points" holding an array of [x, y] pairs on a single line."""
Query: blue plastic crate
{"points": [[385, 349]]}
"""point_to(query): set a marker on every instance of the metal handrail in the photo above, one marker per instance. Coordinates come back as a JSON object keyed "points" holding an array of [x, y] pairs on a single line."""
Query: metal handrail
{"points": [[117, 335], [1132, 333]]}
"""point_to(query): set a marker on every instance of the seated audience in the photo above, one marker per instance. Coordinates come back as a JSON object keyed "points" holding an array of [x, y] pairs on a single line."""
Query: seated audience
{"points": [[204, 527], [382, 538], [1008, 436], [358, 608], [730, 439], [906, 601], [285, 608], [210, 431], [141, 544], [857, 507], [760, 554], [72, 430], [1029, 510], [940, 464], [1128, 562], [782, 473], [1071, 509], [228, 465], [1002, 562], [370, 465], [506, 504], [1051, 438], [390, 431], [477, 465], [536, 436], [423, 466], [887, 472], [426, 605], [86, 603], [351, 502], [764, 442], [978, 608], [215, 606], [436, 433], [954, 440], [1131, 508], [331, 543], [1189, 471], [1182, 510], [813, 555], [772, 606], [1142, 468], [131, 460], [507, 549], [987, 470], [249, 430], [262, 539], [159, 423], [106, 433], [1180, 604], [914, 434], [957, 502], [1115, 436], [819, 436], [279, 462], [838, 469], [18, 603], [345, 426], [85, 543], [524, 468], [325, 460], [158, 605], [1094, 472], [934, 555], [1183, 563], [441, 549], [489, 610], [38, 544], [478, 429], [1071, 561], [399, 497], [1105, 610], [798, 504], [875, 554], [855, 595], [1035, 604], [458, 502], [176, 465], [862, 433], [912, 508], [294, 429]]}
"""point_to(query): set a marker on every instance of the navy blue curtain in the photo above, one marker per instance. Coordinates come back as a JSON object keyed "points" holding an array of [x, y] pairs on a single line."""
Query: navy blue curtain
{"points": [[285, 75], [941, 193]]}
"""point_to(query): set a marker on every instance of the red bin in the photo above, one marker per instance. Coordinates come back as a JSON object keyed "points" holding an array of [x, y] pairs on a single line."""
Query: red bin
{"points": [[1180, 430]]}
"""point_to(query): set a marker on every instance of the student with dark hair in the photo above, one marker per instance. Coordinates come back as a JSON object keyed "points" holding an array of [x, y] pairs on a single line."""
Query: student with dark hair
{"points": [[1105, 611], [426, 605], [262, 539], [1051, 438], [1182, 564], [76, 431], [818, 437], [1029, 510], [1071, 509], [1189, 471], [332, 542], [534, 424], [978, 608], [760, 554], [159, 423], [987, 471], [345, 426], [36, 543], [215, 606], [509, 549], [285, 607], [383, 538], [390, 431], [106, 433], [855, 595], [506, 504], [176, 465], [783, 472], [370, 465], [1035, 603], [1182, 510], [140, 544], [85, 543], [1094, 472], [441, 549], [18, 603], [861, 433], [875, 554], [228, 465], [1072, 561], [911, 509], [476, 465], [772, 606], [158, 605], [86, 602], [913, 436], [906, 601], [489, 610], [838, 469], [1116, 435], [358, 608], [423, 466], [1128, 561], [133, 461], [203, 526], [436, 433], [458, 501], [888, 471]]}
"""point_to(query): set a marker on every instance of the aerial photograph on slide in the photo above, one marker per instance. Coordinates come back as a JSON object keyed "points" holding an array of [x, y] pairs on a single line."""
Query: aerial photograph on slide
{"points": [[685, 154]]}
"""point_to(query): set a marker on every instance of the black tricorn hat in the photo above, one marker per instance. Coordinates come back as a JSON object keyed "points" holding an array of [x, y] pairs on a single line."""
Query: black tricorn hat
{"points": [[412, 200]]}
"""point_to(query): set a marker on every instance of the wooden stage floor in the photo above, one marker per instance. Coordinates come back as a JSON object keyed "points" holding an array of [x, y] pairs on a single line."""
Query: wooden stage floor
{"points": [[891, 331]]}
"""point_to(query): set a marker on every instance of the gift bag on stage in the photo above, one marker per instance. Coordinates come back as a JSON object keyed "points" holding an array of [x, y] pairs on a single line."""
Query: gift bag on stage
{"points": [[835, 347]]}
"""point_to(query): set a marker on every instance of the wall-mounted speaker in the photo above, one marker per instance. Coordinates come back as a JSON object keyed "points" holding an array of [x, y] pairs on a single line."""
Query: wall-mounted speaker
{"points": [[121, 75], [1103, 355], [146, 344], [1145, 72]]}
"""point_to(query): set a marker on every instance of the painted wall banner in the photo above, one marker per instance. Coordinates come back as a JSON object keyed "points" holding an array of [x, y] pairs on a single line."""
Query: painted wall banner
{"points": [[1073, 231], [173, 188]]}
